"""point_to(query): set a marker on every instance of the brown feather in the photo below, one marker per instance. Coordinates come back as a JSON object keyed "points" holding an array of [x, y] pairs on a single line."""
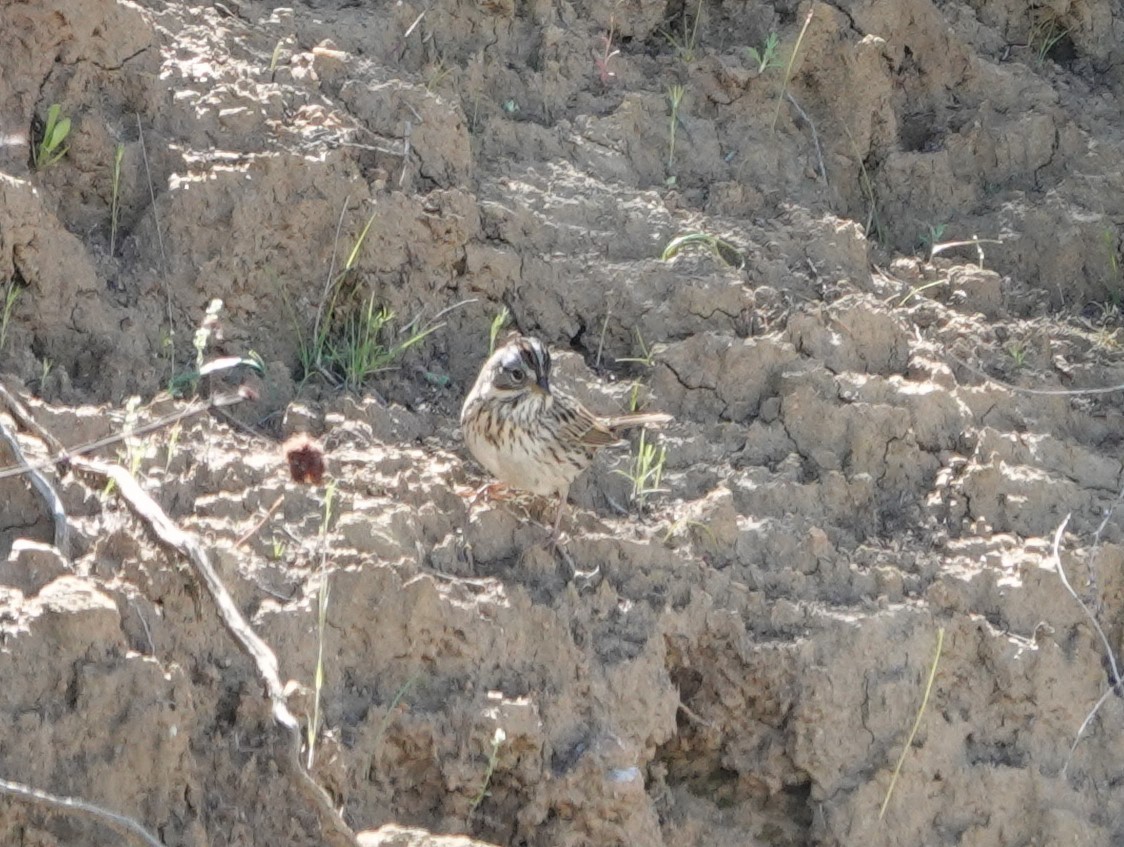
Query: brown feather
{"points": [[643, 419]]}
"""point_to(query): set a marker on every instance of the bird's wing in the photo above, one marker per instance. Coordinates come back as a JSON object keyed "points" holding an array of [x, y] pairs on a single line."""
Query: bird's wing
{"points": [[582, 426]]}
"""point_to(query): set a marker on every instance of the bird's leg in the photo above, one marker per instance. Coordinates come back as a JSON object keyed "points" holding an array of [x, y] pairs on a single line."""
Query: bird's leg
{"points": [[558, 518], [492, 491]]}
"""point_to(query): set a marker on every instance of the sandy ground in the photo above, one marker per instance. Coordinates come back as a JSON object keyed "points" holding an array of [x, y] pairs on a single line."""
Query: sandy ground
{"points": [[860, 467]]}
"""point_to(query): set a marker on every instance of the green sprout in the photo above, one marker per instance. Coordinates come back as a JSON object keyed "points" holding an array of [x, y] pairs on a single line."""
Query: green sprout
{"points": [[498, 323], [115, 203], [766, 57], [646, 470], [11, 295], [50, 147]]}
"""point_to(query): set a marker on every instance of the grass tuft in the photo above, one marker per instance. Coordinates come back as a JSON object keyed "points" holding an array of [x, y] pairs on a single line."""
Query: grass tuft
{"points": [[347, 348], [686, 44], [791, 64], [645, 471], [646, 359], [1044, 37]]}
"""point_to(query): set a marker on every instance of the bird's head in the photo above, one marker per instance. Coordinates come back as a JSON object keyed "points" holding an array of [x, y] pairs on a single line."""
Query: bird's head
{"points": [[521, 366]]}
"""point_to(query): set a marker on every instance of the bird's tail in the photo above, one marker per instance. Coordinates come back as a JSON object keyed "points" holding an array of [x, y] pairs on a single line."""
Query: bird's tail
{"points": [[623, 422]]}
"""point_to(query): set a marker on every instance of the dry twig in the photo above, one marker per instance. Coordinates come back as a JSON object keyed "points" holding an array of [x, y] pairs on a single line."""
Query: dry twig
{"points": [[41, 484], [1116, 681], [63, 454], [120, 824], [815, 135]]}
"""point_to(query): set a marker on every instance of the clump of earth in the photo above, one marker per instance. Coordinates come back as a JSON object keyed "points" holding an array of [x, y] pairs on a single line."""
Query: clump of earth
{"points": [[876, 595]]}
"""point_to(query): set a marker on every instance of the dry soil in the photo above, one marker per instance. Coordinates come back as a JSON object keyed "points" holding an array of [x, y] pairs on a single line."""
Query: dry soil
{"points": [[859, 461]]}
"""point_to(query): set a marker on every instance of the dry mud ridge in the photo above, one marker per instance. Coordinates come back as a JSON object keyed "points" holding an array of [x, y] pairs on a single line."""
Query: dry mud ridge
{"points": [[737, 661]]}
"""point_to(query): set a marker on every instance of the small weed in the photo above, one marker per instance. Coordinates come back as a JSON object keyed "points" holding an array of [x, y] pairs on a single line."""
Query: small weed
{"points": [[203, 334], [931, 237], [1112, 250], [312, 350], [275, 58], [497, 741], [726, 252], [940, 247], [1108, 238], [349, 349], [1017, 351], [277, 549], [185, 383], [173, 442], [674, 98], [873, 219], [358, 352], [115, 202], [136, 449], [645, 471], [791, 64], [168, 341], [921, 289], [11, 297], [686, 45], [682, 524], [766, 58], [50, 147], [322, 595], [207, 327], [437, 74], [498, 323], [398, 695], [606, 54], [635, 398], [1044, 37], [648, 355]]}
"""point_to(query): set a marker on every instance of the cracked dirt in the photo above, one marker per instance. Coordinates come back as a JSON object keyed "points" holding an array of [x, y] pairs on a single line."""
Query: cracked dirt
{"points": [[850, 470]]}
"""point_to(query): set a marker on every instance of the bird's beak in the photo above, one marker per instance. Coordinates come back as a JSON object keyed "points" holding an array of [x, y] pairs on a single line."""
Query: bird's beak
{"points": [[543, 385]]}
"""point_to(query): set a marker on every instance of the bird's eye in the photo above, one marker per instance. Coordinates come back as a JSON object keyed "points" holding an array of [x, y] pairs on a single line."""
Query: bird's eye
{"points": [[518, 375]]}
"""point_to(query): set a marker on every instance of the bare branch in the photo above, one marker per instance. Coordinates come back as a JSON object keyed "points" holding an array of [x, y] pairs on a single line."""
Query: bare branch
{"points": [[120, 824], [40, 483]]}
